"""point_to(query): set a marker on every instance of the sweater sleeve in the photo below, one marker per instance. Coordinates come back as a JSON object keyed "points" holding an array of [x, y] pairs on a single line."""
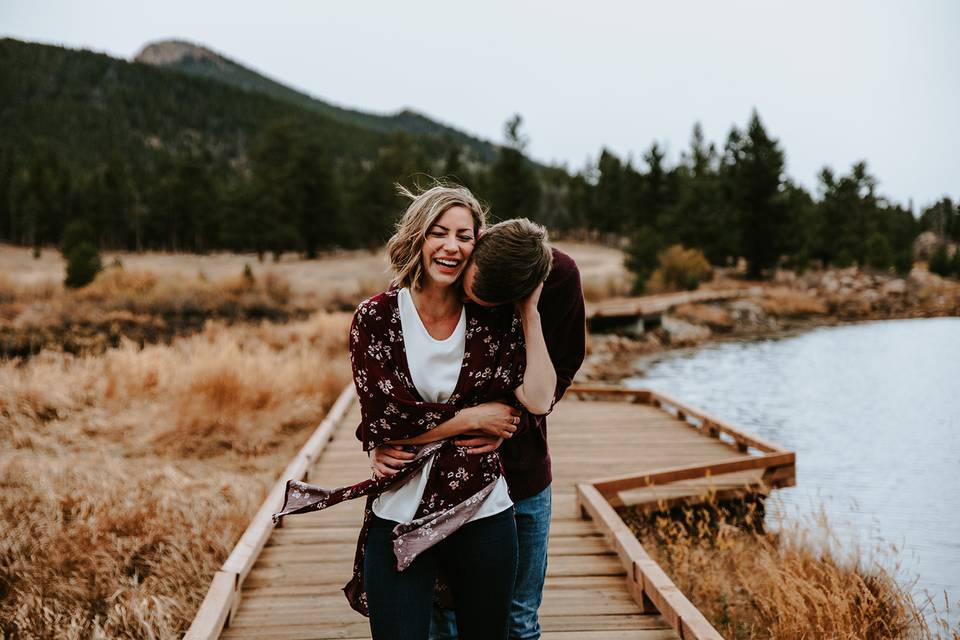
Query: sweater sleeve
{"points": [[389, 409], [564, 328]]}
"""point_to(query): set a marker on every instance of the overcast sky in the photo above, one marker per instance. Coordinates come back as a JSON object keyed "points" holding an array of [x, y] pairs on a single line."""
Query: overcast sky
{"points": [[835, 81]]}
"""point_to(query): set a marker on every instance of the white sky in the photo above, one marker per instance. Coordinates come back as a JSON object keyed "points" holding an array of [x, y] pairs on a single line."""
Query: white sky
{"points": [[835, 81]]}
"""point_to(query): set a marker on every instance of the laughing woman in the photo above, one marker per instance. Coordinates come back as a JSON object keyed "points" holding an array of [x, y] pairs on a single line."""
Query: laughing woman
{"points": [[427, 369]]}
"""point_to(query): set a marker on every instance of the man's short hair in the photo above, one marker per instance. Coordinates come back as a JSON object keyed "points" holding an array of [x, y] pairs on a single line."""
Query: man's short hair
{"points": [[511, 258]]}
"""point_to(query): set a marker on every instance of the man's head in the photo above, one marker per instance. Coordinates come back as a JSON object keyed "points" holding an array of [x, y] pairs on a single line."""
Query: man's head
{"points": [[509, 260]]}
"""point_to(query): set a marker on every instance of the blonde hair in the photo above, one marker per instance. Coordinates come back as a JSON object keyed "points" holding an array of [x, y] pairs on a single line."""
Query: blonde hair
{"points": [[404, 247]]}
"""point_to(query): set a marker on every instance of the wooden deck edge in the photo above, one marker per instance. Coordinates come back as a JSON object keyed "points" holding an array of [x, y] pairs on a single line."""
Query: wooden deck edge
{"points": [[223, 596], [610, 487], [708, 424], [661, 303], [646, 580], [647, 583]]}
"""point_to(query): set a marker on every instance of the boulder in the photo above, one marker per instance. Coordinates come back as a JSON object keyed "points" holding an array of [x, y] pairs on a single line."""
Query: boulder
{"points": [[681, 332]]}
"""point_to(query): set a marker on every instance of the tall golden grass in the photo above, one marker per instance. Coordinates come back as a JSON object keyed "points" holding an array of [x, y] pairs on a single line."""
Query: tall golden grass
{"points": [[799, 583], [127, 477]]}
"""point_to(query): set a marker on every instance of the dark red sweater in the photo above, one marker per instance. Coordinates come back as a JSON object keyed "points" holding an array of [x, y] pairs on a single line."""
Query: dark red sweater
{"points": [[526, 456]]}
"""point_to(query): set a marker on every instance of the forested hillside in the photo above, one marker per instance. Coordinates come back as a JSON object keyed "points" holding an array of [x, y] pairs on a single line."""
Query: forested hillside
{"points": [[199, 61], [200, 153]]}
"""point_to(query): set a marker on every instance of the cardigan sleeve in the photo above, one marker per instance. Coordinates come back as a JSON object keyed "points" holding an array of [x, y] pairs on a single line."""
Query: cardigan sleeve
{"points": [[389, 409]]}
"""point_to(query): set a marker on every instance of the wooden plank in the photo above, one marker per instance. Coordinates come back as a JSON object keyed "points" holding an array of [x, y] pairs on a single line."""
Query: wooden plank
{"points": [[609, 487], [736, 434]]}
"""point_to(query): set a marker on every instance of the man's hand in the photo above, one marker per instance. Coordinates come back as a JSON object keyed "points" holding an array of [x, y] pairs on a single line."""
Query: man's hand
{"points": [[529, 304], [387, 459], [477, 444], [492, 418]]}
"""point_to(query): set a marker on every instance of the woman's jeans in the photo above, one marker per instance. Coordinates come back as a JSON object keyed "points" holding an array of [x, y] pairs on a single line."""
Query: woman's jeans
{"points": [[533, 528], [479, 561]]}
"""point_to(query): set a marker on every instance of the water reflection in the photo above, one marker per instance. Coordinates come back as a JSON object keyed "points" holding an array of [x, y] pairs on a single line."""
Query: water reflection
{"points": [[873, 412]]}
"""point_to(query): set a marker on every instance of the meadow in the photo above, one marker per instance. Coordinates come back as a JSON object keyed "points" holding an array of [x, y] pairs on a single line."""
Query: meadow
{"points": [[133, 460]]}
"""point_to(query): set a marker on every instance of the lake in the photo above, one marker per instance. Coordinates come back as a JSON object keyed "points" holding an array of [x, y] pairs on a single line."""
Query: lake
{"points": [[873, 413]]}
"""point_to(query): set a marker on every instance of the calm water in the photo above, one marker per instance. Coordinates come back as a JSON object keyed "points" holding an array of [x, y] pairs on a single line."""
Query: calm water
{"points": [[873, 412]]}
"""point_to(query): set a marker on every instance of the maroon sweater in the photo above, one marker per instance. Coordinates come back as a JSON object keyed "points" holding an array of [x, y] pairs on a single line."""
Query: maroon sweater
{"points": [[525, 456]]}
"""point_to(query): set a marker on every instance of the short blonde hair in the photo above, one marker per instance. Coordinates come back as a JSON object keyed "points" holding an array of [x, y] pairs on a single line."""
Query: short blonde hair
{"points": [[404, 247]]}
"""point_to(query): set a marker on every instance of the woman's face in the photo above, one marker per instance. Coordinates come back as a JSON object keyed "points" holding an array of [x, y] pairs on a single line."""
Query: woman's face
{"points": [[448, 246]]}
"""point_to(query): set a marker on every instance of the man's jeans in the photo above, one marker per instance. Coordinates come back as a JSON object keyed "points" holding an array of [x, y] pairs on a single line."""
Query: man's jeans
{"points": [[533, 527]]}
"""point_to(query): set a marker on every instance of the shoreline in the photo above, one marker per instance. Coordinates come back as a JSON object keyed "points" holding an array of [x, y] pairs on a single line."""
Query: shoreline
{"points": [[787, 306]]}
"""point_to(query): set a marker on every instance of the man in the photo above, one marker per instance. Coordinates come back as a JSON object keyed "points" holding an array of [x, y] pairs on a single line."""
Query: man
{"points": [[509, 261]]}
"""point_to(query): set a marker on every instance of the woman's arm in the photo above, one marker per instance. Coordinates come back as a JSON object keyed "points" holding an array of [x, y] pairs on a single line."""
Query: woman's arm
{"points": [[490, 418], [539, 378]]}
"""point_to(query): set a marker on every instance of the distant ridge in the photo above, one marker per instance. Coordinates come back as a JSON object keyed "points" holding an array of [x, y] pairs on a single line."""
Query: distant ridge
{"points": [[197, 60]]}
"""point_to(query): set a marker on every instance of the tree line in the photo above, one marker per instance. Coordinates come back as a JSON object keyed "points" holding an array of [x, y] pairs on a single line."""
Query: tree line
{"points": [[137, 158]]}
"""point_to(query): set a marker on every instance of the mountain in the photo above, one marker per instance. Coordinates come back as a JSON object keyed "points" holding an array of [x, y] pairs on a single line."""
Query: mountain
{"points": [[89, 108], [195, 60]]}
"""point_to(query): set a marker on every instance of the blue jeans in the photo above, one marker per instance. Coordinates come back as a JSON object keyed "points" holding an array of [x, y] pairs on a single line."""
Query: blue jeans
{"points": [[479, 560], [533, 527]]}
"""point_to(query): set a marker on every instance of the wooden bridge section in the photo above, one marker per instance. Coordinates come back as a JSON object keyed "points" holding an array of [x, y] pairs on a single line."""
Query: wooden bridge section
{"points": [[638, 314], [610, 447]]}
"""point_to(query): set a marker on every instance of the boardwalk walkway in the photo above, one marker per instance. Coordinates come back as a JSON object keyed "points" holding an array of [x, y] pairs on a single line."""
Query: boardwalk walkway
{"points": [[593, 584]]}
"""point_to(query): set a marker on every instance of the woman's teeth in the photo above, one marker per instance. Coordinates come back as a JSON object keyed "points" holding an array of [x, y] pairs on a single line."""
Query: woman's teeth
{"points": [[447, 263]]}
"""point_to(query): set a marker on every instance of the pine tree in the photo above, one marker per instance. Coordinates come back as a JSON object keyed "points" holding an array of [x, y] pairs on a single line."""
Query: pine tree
{"points": [[754, 168], [514, 188]]}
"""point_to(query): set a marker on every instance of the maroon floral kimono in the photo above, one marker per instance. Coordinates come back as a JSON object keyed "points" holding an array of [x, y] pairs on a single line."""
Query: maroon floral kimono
{"points": [[391, 409]]}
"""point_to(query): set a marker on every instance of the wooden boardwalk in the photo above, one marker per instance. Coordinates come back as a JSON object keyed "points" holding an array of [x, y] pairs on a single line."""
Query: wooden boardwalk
{"points": [[600, 583]]}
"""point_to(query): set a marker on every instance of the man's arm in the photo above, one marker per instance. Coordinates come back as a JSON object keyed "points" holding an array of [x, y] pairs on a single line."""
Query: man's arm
{"points": [[564, 329]]}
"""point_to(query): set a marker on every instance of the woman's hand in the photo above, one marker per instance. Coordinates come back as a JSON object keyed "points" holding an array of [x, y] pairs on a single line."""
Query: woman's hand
{"points": [[491, 418], [479, 443], [388, 459]]}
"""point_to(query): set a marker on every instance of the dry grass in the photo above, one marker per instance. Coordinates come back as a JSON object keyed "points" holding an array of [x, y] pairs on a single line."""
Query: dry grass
{"points": [[127, 477], [789, 303], [793, 585]]}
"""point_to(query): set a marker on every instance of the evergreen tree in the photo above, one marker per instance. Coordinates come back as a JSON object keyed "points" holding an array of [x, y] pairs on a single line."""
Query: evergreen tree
{"points": [[514, 188], [754, 166], [81, 254], [642, 255], [697, 216]]}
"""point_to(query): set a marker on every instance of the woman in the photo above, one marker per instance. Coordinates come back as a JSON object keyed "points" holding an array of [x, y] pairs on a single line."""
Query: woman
{"points": [[426, 369]]}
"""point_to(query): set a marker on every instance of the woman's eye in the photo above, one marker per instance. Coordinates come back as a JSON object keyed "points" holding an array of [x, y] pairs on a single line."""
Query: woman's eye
{"points": [[466, 238]]}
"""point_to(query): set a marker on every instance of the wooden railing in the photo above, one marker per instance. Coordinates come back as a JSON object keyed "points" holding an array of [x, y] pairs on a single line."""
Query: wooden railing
{"points": [[597, 499], [223, 596]]}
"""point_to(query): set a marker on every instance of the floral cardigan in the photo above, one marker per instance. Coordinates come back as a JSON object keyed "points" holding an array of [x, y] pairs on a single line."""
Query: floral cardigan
{"points": [[392, 409]]}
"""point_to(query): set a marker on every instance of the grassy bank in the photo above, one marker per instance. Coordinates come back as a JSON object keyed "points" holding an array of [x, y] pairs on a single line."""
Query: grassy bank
{"points": [[128, 476], [793, 584]]}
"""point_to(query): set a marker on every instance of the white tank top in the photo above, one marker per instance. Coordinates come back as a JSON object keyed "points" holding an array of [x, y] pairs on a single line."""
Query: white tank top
{"points": [[435, 368]]}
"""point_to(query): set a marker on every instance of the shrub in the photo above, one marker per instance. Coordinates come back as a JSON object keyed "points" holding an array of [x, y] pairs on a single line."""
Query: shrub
{"points": [[83, 265], [879, 251], [844, 259], [903, 262], [682, 268], [940, 261]]}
